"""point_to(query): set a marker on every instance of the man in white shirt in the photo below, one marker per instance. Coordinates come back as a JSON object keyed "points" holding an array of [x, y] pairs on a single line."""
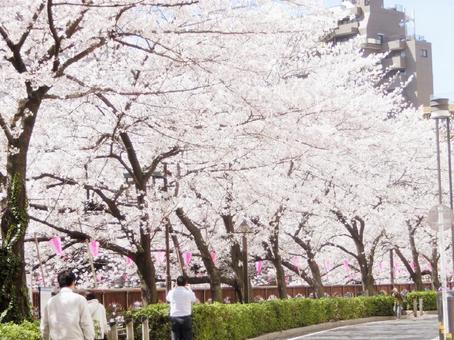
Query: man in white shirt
{"points": [[98, 315], [66, 315], [181, 299]]}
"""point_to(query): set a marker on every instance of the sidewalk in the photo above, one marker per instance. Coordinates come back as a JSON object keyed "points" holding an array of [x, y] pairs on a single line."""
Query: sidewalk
{"points": [[298, 332]]}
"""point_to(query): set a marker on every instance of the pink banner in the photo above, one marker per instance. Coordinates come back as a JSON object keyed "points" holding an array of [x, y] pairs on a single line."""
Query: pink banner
{"points": [[296, 262], [346, 265], [213, 256], [187, 255], [160, 257], [258, 266], [56, 245], [94, 248]]}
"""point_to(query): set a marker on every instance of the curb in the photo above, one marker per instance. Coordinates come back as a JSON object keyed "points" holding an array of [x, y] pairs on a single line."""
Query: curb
{"points": [[296, 332]]}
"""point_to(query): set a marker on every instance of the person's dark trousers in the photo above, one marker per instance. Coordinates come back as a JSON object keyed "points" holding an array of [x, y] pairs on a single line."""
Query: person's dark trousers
{"points": [[181, 327]]}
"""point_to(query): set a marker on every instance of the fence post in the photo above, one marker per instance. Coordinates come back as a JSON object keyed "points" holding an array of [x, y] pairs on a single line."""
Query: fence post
{"points": [[421, 305], [130, 330], [145, 330], [113, 332], [415, 308]]}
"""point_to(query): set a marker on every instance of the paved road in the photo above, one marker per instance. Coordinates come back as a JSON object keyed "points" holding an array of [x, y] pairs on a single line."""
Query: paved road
{"points": [[410, 329]]}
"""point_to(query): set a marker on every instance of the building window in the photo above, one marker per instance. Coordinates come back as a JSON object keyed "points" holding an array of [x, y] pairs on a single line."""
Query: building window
{"points": [[424, 53], [381, 38]]}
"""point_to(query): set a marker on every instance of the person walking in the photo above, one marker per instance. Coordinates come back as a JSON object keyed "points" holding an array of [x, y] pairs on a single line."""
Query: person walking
{"points": [[66, 315], [181, 299], [98, 315], [398, 302]]}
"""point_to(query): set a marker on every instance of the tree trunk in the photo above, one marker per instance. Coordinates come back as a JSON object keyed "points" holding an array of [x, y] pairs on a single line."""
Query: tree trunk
{"points": [[274, 254], [433, 260], [212, 271], [280, 278], [317, 283], [147, 274], [367, 278], [235, 258], [14, 298]]}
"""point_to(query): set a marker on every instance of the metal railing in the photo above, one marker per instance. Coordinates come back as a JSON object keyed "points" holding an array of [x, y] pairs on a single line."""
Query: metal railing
{"points": [[126, 330]]}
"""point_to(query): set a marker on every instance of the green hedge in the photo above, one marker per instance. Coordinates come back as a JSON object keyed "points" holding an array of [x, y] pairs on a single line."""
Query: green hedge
{"points": [[243, 321], [429, 299], [238, 321], [27, 330]]}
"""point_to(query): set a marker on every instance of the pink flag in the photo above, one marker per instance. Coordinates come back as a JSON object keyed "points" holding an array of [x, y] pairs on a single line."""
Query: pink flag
{"points": [[346, 265], [258, 266], [94, 248], [56, 244], [213, 256], [380, 267], [160, 256], [128, 260], [187, 255]]}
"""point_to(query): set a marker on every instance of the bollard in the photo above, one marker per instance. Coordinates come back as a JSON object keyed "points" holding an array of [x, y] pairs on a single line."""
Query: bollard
{"points": [[130, 330], [441, 322], [145, 330], [415, 308], [421, 305]]}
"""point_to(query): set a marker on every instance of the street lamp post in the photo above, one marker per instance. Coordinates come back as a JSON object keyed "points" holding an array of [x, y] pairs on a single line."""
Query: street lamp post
{"points": [[441, 218], [440, 110], [244, 229]]}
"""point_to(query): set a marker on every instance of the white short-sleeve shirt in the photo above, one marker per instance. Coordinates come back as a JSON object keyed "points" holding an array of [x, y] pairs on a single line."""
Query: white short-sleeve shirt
{"points": [[181, 300]]}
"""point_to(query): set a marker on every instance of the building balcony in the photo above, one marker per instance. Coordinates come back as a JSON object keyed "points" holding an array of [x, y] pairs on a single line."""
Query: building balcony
{"points": [[347, 29], [372, 44], [394, 63], [397, 45]]}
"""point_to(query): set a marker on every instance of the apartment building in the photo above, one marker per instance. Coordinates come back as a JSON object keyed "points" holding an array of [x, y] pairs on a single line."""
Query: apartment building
{"points": [[384, 30]]}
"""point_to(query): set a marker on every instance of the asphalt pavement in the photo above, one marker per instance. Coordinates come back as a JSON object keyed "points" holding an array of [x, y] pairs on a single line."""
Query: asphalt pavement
{"points": [[425, 328]]}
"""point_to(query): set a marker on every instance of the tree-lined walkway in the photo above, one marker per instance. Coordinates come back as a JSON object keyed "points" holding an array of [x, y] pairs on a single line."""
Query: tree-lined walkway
{"points": [[408, 329]]}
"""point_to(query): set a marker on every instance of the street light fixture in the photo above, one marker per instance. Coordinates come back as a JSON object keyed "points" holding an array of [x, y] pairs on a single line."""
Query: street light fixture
{"points": [[440, 218], [245, 229]]}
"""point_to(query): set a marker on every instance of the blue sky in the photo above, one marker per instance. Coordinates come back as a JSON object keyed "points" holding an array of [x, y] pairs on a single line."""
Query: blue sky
{"points": [[434, 21]]}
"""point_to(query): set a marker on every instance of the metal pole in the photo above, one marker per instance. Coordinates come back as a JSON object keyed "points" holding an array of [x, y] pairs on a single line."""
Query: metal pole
{"points": [[448, 141], [444, 289], [391, 266], [437, 134], [245, 271]]}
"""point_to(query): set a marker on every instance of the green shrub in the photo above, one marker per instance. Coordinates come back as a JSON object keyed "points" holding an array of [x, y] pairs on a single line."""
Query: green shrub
{"points": [[429, 299], [26, 330], [242, 321]]}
